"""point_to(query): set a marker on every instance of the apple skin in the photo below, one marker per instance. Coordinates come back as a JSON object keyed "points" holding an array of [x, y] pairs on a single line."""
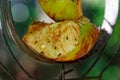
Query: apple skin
{"points": [[73, 39], [88, 37], [60, 10]]}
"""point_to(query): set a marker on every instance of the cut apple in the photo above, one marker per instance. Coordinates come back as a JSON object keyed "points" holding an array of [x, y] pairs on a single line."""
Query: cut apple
{"points": [[60, 10], [62, 41]]}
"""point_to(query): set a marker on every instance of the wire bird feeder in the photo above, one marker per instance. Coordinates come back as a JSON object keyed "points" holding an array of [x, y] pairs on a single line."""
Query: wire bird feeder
{"points": [[8, 34]]}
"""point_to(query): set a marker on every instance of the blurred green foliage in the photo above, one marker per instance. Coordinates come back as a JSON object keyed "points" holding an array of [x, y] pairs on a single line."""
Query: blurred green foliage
{"points": [[94, 12]]}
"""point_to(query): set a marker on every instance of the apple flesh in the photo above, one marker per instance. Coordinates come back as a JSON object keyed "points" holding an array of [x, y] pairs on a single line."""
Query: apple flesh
{"points": [[60, 10], [63, 41]]}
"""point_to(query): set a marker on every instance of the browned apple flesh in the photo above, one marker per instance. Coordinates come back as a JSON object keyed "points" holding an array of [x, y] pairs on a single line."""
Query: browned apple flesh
{"points": [[62, 41]]}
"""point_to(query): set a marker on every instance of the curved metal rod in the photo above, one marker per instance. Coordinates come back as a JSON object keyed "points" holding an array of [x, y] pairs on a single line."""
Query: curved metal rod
{"points": [[111, 14], [101, 51], [108, 24], [6, 36], [6, 70], [15, 57], [105, 68], [62, 75], [2, 65]]}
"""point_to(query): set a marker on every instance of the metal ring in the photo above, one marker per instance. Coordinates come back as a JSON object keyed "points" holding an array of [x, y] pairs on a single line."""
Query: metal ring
{"points": [[111, 8]]}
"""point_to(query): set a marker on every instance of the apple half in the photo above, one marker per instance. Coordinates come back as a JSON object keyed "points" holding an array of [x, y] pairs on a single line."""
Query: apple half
{"points": [[60, 10], [63, 41]]}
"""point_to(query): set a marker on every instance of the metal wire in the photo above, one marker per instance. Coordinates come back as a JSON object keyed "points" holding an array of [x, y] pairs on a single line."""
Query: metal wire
{"points": [[100, 52], [111, 59], [6, 70], [15, 57]]}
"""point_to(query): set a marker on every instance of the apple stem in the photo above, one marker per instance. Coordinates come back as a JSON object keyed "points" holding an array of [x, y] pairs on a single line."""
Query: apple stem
{"points": [[79, 2]]}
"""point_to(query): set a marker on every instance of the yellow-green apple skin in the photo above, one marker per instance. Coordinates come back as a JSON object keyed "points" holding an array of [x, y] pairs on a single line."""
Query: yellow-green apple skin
{"points": [[60, 10], [63, 41]]}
